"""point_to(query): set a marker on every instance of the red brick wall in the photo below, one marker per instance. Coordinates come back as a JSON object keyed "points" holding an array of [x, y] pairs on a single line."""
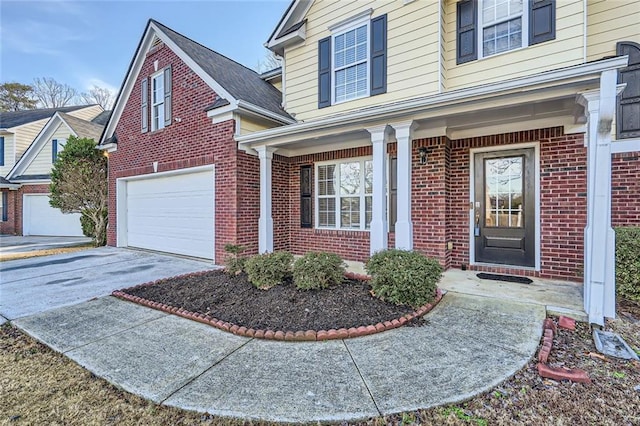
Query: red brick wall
{"points": [[284, 193], [10, 226], [625, 185], [193, 141], [248, 212]]}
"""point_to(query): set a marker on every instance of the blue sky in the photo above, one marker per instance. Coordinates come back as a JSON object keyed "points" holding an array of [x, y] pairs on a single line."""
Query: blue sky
{"points": [[86, 42]]}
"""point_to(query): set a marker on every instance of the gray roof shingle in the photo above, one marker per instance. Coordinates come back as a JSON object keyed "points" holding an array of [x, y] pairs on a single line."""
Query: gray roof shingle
{"points": [[102, 118], [83, 128], [241, 82], [10, 119]]}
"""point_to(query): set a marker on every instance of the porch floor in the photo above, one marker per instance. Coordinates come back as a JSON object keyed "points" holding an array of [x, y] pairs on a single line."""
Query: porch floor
{"points": [[558, 297]]}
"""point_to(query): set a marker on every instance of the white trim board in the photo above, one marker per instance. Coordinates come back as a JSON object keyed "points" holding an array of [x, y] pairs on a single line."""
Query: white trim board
{"points": [[472, 152]]}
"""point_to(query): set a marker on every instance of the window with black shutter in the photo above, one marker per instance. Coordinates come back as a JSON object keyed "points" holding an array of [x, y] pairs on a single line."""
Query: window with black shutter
{"points": [[306, 186], [628, 114]]}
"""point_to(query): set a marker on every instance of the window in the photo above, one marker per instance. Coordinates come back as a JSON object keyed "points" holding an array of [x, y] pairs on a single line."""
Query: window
{"points": [[157, 102], [57, 145], [352, 62], [344, 194], [628, 114], [495, 26], [502, 23]]}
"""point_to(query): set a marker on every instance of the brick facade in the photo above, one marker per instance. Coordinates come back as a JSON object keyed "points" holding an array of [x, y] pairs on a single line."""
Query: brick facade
{"points": [[13, 226], [625, 189]]}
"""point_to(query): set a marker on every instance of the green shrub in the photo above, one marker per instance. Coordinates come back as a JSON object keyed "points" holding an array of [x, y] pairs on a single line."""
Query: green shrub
{"points": [[404, 277], [269, 269], [318, 270], [628, 263], [234, 261]]}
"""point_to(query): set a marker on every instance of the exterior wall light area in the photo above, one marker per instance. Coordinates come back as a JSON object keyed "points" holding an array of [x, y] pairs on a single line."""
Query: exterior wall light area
{"points": [[422, 154]]}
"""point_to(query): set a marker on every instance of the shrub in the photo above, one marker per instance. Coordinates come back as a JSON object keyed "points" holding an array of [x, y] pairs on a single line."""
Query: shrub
{"points": [[269, 269], [404, 277], [628, 263], [234, 261], [318, 270]]}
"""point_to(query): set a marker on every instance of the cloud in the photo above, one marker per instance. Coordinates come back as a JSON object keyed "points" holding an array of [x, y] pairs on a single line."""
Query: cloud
{"points": [[37, 37]]}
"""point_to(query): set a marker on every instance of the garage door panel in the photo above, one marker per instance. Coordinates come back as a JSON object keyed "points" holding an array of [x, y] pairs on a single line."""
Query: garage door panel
{"points": [[39, 218], [174, 214]]}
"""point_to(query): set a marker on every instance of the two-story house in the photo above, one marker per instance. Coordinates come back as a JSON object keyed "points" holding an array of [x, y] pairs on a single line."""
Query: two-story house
{"points": [[481, 133], [29, 143]]}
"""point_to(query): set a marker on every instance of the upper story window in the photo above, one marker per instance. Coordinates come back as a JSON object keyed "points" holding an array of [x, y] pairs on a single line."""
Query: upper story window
{"points": [[628, 113], [344, 191], [156, 91], [489, 27], [502, 23], [352, 62], [157, 101]]}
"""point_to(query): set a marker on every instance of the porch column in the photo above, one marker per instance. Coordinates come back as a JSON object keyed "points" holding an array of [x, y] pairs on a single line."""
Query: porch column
{"points": [[599, 239], [378, 228], [404, 225], [265, 223]]}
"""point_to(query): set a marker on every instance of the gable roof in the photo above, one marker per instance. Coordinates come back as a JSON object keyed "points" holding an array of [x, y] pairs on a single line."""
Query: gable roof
{"points": [[9, 119], [77, 126], [291, 28], [102, 118], [233, 82]]}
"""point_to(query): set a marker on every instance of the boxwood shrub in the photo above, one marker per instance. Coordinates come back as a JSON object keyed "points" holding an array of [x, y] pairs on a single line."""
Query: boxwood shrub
{"points": [[628, 263], [268, 269], [404, 277], [318, 270]]}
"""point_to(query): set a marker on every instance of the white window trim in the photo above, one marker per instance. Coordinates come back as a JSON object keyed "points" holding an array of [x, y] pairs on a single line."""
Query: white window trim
{"points": [[338, 196], [336, 31], [525, 30], [160, 75]]}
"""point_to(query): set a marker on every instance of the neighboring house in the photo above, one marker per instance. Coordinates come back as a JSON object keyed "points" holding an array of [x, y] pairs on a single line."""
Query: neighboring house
{"points": [[480, 133], [32, 140]]}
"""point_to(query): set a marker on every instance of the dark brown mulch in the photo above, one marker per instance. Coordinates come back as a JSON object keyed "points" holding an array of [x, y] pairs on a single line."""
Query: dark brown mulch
{"points": [[283, 307]]}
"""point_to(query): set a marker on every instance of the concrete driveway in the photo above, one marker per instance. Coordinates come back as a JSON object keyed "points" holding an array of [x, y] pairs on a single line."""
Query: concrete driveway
{"points": [[31, 286], [14, 244]]}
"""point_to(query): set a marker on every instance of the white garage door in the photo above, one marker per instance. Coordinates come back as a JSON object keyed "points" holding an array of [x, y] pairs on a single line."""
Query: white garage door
{"points": [[174, 214], [39, 218]]}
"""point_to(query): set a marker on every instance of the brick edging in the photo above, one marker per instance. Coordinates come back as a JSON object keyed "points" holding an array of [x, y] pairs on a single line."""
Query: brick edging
{"points": [[300, 335], [557, 373]]}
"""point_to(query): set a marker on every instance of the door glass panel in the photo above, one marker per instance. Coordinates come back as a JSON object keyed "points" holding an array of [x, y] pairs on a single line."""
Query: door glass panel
{"points": [[503, 192]]}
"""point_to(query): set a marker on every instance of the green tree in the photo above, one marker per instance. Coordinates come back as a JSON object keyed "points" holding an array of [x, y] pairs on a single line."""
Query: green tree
{"points": [[16, 97], [79, 185]]}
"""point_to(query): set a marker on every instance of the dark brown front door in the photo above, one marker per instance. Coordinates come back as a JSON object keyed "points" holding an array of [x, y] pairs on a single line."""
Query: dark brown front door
{"points": [[504, 209]]}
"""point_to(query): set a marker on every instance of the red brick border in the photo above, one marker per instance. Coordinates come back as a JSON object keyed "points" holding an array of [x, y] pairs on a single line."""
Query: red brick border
{"points": [[287, 335], [557, 373]]}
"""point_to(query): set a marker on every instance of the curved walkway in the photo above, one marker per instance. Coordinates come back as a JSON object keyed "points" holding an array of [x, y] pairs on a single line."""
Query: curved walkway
{"points": [[469, 345]]}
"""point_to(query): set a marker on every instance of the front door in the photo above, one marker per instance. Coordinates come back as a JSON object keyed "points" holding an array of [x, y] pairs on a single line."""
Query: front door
{"points": [[504, 207]]}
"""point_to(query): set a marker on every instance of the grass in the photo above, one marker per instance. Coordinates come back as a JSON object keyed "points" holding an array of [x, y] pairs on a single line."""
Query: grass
{"points": [[36, 253]]}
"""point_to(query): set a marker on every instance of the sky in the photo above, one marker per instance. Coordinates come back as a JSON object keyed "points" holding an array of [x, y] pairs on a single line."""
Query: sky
{"points": [[91, 42]]}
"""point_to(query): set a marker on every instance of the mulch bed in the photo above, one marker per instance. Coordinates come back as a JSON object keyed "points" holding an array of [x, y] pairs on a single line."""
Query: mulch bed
{"points": [[283, 307]]}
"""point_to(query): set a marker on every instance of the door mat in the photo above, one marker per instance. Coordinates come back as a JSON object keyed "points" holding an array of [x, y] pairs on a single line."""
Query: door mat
{"points": [[508, 278]]}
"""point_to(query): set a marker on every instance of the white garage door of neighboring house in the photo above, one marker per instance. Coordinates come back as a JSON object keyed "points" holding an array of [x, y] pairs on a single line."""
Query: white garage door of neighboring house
{"points": [[39, 218], [172, 213]]}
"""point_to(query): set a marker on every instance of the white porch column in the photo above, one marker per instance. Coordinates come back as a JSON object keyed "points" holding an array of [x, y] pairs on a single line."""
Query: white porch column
{"points": [[599, 242], [379, 228], [404, 225], [265, 223]]}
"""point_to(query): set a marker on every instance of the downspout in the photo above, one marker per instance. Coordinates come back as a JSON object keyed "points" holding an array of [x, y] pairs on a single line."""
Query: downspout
{"points": [[440, 12], [584, 37]]}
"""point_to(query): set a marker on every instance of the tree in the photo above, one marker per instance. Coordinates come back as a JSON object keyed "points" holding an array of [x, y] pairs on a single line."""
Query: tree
{"points": [[79, 185], [52, 94], [98, 95], [269, 62], [16, 97]]}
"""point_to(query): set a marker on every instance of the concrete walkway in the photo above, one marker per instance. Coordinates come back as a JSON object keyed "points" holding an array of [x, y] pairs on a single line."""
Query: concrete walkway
{"points": [[469, 345]]}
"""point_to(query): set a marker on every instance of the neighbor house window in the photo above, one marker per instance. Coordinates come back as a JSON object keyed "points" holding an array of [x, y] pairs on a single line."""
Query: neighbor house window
{"points": [[350, 63], [56, 146], [1, 150], [344, 194], [502, 24], [157, 101]]}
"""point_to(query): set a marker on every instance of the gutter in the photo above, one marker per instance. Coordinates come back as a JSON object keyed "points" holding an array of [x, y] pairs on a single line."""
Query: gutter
{"points": [[431, 101]]}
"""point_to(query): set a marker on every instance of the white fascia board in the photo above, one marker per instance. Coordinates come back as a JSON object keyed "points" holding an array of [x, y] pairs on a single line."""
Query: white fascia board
{"points": [[11, 186], [493, 89], [38, 143], [213, 113], [34, 182], [247, 106], [294, 9], [297, 36], [108, 147]]}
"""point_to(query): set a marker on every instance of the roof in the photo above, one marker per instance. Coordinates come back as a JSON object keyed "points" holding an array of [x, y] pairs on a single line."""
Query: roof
{"points": [[31, 177], [241, 82], [82, 128], [11, 119], [102, 118]]}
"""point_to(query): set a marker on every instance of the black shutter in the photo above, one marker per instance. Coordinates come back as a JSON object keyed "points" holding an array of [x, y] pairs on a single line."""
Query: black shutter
{"points": [[324, 72], [144, 109], [379, 55], [393, 193], [542, 21], [5, 200], [466, 33], [628, 114], [305, 197], [1, 150], [54, 150], [167, 96]]}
